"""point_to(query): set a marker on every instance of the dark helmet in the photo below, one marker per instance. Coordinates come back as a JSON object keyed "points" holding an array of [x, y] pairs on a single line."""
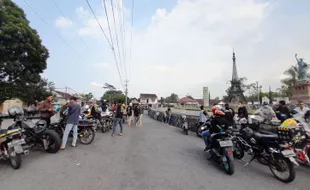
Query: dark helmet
{"points": [[15, 111]]}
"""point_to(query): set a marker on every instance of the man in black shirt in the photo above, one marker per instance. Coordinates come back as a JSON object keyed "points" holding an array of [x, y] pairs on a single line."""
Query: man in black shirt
{"points": [[229, 114], [242, 111], [282, 111]]}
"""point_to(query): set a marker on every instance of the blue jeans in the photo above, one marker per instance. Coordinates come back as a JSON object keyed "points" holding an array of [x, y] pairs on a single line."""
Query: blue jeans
{"points": [[205, 136], [69, 126], [116, 122]]}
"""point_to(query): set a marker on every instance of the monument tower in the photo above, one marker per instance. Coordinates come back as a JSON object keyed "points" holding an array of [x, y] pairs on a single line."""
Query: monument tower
{"points": [[235, 92]]}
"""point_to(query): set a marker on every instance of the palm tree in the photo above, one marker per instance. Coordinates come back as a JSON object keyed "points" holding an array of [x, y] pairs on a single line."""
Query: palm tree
{"points": [[291, 80]]}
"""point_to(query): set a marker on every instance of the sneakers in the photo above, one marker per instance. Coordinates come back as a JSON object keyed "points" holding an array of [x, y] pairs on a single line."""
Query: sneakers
{"points": [[120, 134], [73, 145], [207, 148], [62, 148]]}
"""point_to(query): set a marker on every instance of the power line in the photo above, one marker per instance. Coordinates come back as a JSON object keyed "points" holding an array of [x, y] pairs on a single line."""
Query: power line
{"points": [[130, 47], [124, 38], [113, 51], [61, 12], [121, 21], [48, 24], [110, 32], [116, 35]]}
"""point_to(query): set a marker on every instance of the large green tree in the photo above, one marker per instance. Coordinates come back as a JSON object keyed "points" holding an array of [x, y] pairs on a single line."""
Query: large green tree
{"points": [[114, 96], [173, 98], [22, 55]]}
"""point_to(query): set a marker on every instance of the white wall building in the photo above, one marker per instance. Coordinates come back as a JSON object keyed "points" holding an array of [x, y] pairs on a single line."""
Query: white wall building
{"points": [[149, 100], [206, 96]]}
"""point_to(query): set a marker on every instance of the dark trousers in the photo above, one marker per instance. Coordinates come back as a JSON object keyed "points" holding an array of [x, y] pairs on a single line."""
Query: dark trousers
{"points": [[48, 121]]}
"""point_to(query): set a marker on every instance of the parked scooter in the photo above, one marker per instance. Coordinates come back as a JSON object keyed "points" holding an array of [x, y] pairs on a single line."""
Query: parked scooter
{"points": [[11, 142], [184, 124]]}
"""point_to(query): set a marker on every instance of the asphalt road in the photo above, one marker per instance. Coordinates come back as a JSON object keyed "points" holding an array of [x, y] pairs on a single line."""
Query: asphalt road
{"points": [[153, 157]]}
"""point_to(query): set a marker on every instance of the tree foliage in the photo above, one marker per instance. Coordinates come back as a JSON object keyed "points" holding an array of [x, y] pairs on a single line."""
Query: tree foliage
{"points": [[22, 55], [291, 78], [114, 96], [173, 98], [86, 97]]}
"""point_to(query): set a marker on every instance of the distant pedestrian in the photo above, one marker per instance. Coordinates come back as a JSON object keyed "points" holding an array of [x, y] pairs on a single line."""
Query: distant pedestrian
{"points": [[46, 110], [74, 111], [129, 114], [141, 110], [136, 114], [169, 113], [118, 120]]}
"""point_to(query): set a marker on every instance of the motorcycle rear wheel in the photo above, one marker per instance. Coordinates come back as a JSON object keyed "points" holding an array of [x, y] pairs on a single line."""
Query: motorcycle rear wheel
{"points": [[276, 166], [15, 161], [87, 136], [229, 166], [238, 152], [54, 141]]}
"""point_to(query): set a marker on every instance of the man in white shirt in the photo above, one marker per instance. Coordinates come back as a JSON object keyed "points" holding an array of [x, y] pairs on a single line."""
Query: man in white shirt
{"points": [[301, 109]]}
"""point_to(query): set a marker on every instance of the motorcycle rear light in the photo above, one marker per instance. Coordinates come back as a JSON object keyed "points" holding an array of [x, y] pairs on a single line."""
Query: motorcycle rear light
{"points": [[16, 137], [229, 153]]}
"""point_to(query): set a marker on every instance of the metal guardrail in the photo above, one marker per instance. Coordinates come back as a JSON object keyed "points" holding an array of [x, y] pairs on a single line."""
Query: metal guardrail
{"points": [[175, 119]]}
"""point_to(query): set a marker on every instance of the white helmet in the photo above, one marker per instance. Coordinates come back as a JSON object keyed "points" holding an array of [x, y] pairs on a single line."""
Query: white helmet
{"points": [[86, 107]]}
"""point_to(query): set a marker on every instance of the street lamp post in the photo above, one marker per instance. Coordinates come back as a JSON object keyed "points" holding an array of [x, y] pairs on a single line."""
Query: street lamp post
{"points": [[258, 89]]}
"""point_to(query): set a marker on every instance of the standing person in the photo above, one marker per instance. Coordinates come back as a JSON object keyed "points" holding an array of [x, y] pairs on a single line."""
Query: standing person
{"points": [[136, 114], [242, 111], [141, 110], [74, 111], [202, 116], [124, 111], [46, 110], [118, 120], [169, 113], [130, 114], [229, 114], [282, 111]]}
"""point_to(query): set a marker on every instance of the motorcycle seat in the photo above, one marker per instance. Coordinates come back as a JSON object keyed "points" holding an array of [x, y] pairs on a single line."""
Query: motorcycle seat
{"points": [[266, 136]]}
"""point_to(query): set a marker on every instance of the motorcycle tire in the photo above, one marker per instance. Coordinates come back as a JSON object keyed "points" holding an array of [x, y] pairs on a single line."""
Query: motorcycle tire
{"points": [[104, 128], [16, 161], [229, 166], [290, 168], [54, 137], [238, 152], [89, 132], [262, 161]]}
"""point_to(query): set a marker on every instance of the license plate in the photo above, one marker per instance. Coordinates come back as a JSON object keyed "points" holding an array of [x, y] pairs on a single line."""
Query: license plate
{"points": [[288, 153], [226, 143]]}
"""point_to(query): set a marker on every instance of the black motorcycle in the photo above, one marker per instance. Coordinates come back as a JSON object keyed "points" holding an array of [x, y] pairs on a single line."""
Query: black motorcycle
{"points": [[266, 148], [37, 134], [86, 132], [222, 150], [201, 128]]}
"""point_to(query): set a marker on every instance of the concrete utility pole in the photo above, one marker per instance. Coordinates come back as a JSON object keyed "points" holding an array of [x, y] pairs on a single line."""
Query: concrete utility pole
{"points": [[126, 91]]}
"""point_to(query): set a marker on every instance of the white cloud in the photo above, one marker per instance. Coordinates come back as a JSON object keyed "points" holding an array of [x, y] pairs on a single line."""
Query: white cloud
{"points": [[190, 46], [62, 22], [95, 84]]}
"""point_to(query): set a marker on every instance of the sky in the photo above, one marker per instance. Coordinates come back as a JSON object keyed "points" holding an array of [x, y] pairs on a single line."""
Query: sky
{"points": [[178, 46]]}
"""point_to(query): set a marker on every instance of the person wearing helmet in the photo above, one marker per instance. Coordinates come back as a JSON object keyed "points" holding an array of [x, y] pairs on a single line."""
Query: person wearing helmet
{"points": [[218, 119]]}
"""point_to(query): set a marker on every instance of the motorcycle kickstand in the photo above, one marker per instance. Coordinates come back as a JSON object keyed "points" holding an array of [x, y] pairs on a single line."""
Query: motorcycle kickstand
{"points": [[249, 161]]}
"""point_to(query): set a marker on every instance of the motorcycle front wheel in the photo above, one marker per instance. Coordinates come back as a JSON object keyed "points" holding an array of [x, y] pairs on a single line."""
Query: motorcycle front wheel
{"points": [[87, 135], [15, 161], [199, 131], [282, 168], [238, 151]]}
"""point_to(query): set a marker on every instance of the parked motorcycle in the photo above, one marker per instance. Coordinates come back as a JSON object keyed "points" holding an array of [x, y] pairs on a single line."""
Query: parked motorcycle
{"points": [[37, 134], [222, 150], [267, 149], [184, 124], [86, 132], [11, 142]]}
